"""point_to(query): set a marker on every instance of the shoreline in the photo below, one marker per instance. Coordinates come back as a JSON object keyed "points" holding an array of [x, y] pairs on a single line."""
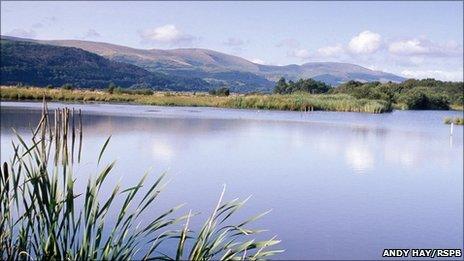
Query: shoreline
{"points": [[272, 102], [289, 102]]}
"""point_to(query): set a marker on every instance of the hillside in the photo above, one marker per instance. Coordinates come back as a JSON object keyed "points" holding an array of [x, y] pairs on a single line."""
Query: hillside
{"points": [[329, 72], [41, 65], [223, 69]]}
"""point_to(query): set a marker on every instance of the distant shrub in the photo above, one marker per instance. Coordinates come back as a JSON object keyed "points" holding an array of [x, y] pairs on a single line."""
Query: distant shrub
{"points": [[119, 90], [457, 120], [220, 92], [142, 91], [417, 99], [302, 85], [111, 88], [49, 86], [67, 86]]}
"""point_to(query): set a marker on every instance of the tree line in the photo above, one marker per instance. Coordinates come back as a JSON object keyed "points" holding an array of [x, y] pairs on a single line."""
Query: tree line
{"points": [[411, 94]]}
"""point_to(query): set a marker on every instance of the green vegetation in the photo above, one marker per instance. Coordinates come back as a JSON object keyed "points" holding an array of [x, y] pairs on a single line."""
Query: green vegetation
{"points": [[44, 216], [220, 92], [295, 102], [428, 94], [302, 85], [456, 120], [41, 65], [66, 86], [114, 89], [410, 94]]}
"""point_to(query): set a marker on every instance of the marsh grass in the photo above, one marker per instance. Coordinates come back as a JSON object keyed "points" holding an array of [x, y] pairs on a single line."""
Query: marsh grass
{"points": [[293, 102], [44, 216], [456, 120]]}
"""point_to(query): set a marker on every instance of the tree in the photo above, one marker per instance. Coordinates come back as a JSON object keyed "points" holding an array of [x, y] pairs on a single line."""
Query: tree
{"points": [[280, 86], [302, 85], [220, 92], [111, 87]]}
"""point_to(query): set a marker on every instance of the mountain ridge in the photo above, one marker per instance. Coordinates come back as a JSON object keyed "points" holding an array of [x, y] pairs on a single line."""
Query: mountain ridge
{"points": [[223, 69]]}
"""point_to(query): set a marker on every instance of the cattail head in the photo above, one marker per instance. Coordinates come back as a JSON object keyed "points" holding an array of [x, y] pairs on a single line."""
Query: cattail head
{"points": [[6, 176]]}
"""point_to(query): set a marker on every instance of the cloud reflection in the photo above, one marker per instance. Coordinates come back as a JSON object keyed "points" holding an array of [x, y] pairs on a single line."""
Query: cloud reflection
{"points": [[360, 158], [161, 150]]}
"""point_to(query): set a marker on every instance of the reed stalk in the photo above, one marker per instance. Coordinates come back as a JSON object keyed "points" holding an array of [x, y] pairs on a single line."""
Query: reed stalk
{"points": [[43, 215]]}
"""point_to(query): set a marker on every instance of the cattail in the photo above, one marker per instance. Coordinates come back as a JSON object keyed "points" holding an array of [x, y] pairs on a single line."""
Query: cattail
{"points": [[80, 136], [6, 176]]}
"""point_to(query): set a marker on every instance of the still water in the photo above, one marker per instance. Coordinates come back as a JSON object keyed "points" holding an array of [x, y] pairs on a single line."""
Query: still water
{"points": [[340, 185]]}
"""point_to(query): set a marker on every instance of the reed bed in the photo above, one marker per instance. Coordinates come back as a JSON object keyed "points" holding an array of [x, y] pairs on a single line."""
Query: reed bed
{"points": [[45, 216], [294, 102]]}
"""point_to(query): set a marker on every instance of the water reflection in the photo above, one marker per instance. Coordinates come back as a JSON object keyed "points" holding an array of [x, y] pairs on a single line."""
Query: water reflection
{"points": [[161, 150], [360, 158]]}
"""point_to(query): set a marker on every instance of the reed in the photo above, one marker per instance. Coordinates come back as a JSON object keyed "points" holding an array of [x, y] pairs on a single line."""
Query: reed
{"points": [[45, 216], [294, 102]]}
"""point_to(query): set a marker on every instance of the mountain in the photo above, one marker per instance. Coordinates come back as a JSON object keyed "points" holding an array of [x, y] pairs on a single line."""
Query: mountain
{"points": [[328, 72], [221, 69], [216, 68], [42, 64]]}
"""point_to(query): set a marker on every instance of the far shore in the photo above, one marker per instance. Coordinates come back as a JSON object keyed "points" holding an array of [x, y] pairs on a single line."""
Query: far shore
{"points": [[289, 102]]}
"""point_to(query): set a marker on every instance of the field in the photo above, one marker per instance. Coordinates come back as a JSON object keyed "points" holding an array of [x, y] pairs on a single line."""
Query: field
{"points": [[293, 102]]}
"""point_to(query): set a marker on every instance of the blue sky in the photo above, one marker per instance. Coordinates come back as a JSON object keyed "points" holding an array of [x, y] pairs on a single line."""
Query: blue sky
{"points": [[413, 39]]}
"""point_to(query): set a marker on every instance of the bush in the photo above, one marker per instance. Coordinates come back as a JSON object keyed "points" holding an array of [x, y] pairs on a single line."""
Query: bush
{"points": [[457, 120], [302, 85], [67, 86], [220, 92], [417, 94], [111, 88], [142, 91], [417, 99], [438, 102]]}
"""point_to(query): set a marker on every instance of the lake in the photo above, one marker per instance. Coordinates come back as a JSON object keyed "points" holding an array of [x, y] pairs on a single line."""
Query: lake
{"points": [[340, 185]]}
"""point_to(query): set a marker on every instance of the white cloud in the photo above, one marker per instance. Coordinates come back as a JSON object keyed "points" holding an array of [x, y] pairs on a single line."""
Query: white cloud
{"points": [[258, 61], [437, 74], [22, 33], [424, 47], [330, 51], [300, 53], [232, 41], [167, 34], [365, 43], [413, 46]]}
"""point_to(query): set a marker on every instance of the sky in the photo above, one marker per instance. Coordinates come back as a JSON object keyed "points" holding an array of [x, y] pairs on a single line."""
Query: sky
{"points": [[411, 39]]}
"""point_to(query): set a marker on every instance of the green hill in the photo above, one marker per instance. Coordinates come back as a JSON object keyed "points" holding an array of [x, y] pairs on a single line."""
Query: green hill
{"points": [[41, 65]]}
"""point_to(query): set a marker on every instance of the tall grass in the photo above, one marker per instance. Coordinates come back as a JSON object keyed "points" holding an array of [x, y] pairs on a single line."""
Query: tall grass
{"points": [[45, 216], [294, 102]]}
